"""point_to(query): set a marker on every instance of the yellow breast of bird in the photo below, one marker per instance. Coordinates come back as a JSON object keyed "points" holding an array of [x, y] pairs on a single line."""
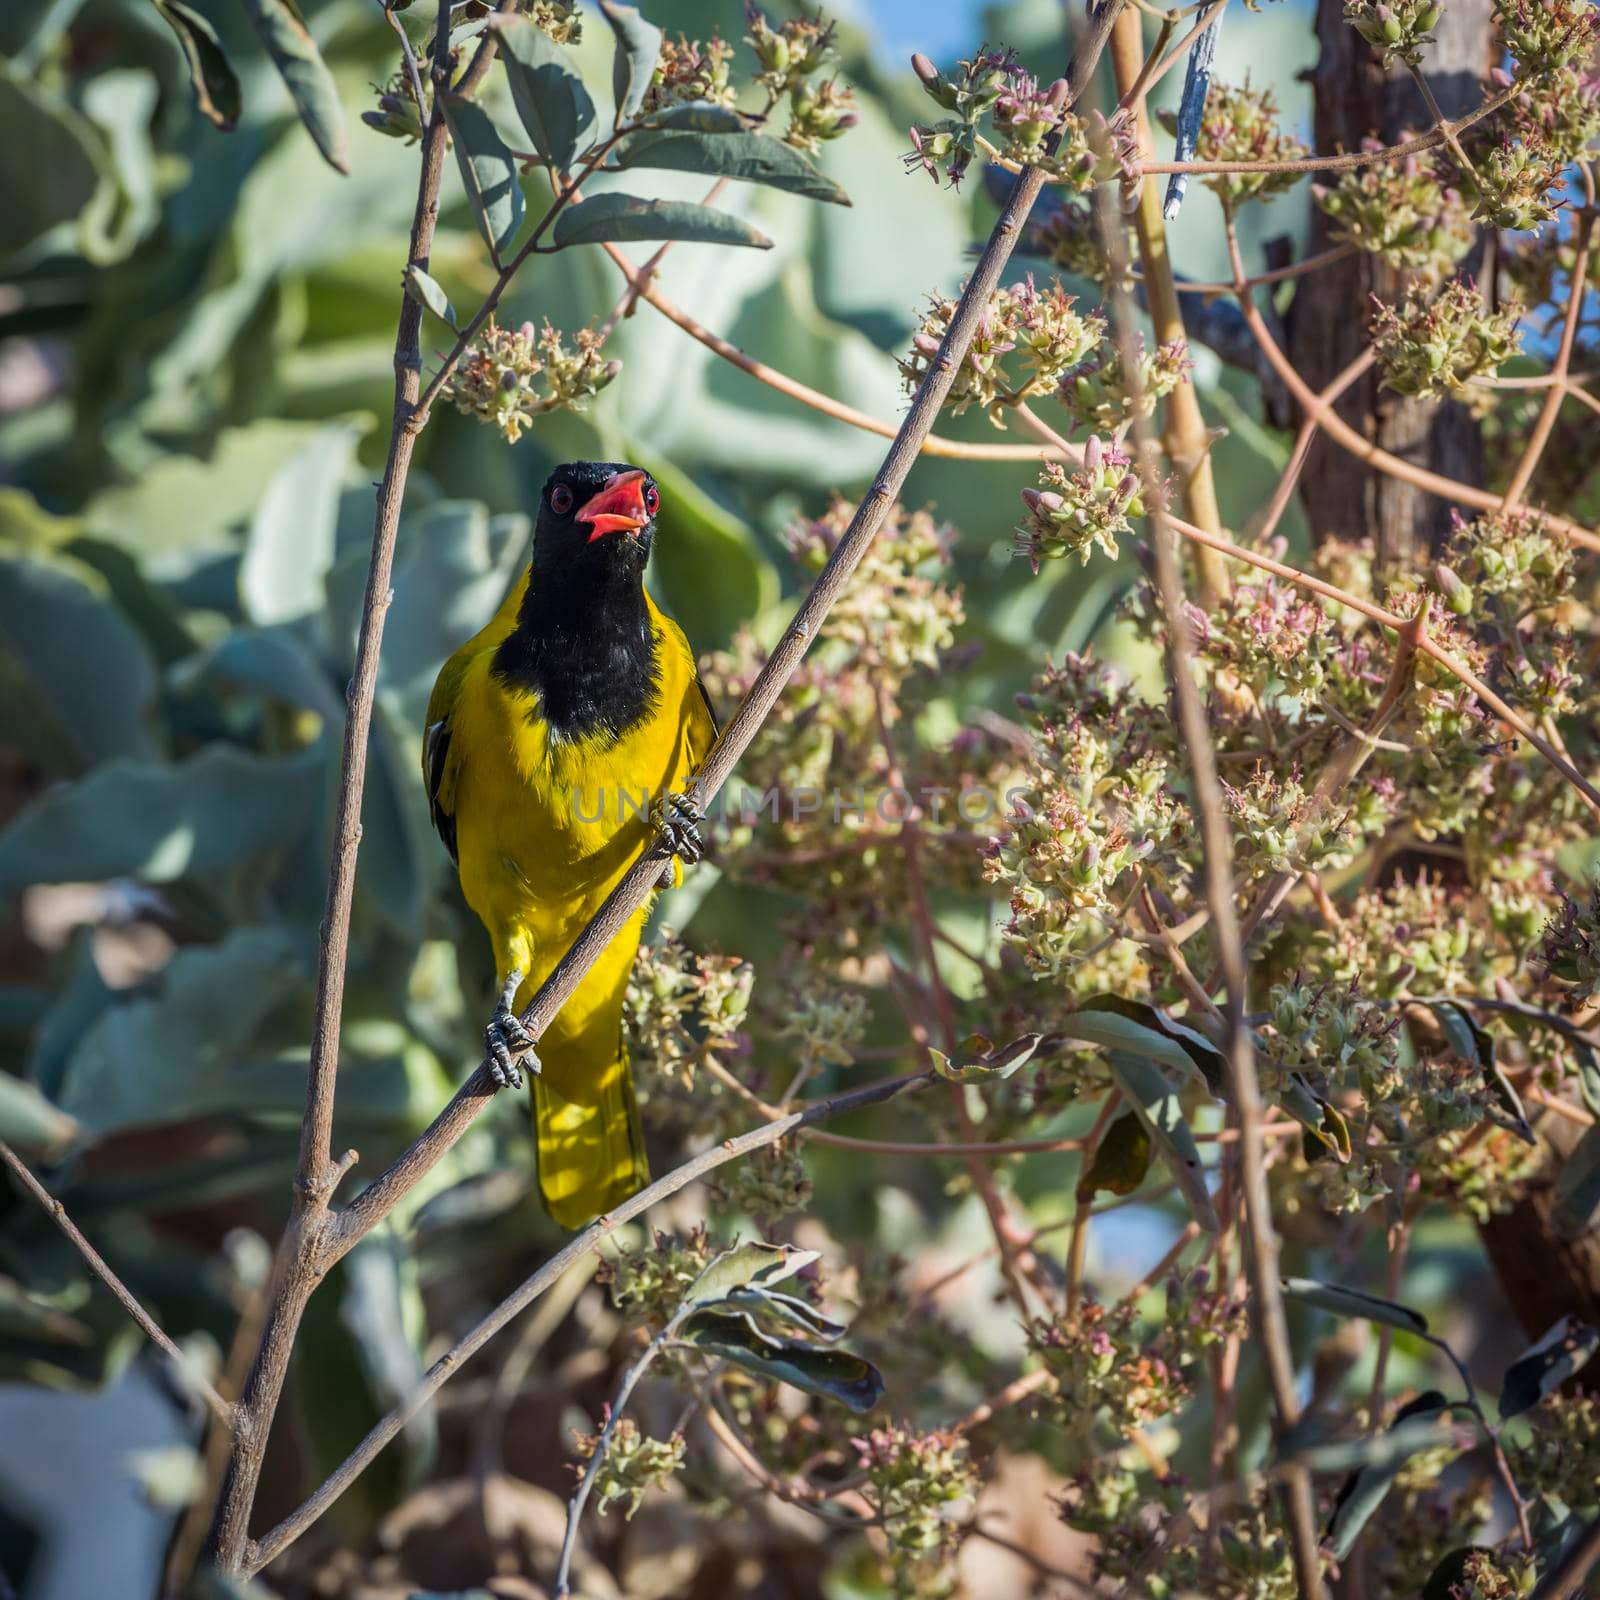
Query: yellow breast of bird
{"points": [[546, 826]]}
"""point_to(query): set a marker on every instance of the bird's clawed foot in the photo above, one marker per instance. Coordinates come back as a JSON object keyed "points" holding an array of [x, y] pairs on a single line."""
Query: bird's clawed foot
{"points": [[679, 818], [505, 1037]]}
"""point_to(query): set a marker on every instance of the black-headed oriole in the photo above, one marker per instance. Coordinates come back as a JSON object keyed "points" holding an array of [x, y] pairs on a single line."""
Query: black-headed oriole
{"points": [[558, 740]]}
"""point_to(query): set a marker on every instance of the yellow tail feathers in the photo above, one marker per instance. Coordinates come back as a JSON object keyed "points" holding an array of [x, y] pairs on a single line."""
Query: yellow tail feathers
{"points": [[591, 1149]]}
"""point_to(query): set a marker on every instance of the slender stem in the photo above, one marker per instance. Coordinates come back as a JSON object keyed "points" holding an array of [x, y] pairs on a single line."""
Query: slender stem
{"points": [[1545, 424], [1184, 433], [295, 1272], [272, 1544], [1217, 851], [580, 1495], [933, 444], [189, 1374]]}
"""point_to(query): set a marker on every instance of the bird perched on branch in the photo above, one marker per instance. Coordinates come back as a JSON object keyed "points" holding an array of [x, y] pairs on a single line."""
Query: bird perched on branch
{"points": [[560, 740]]}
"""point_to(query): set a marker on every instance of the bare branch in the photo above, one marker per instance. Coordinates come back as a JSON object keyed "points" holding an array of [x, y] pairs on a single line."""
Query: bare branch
{"points": [[190, 1375], [281, 1537]]}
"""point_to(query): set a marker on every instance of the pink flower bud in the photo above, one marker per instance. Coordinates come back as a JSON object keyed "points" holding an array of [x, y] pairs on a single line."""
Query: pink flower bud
{"points": [[924, 68]]}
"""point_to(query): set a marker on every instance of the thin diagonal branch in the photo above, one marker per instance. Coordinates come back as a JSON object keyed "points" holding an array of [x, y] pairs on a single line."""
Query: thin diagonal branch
{"points": [[375, 1202], [191, 1376], [281, 1537]]}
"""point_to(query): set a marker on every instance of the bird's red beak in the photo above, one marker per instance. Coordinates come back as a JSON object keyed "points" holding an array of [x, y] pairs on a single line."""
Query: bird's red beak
{"points": [[620, 504]]}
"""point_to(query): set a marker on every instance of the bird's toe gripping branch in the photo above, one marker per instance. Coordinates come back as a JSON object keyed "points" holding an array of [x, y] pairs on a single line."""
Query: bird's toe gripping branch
{"points": [[679, 818], [505, 1038]]}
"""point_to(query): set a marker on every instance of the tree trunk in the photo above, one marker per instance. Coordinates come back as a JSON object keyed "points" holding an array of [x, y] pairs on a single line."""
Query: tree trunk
{"points": [[1327, 322]]}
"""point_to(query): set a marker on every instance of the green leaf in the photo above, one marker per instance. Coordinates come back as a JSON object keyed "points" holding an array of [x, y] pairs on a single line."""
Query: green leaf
{"points": [[554, 106], [32, 1123], [1145, 1030], [1121, 1160], [832, 1374], [752, 157], [216, 88], [1414, 1429], [310, 84], [181, 1050], [1471, 1043], [621, 217], [61, 172], [700, 116], [488, 172], [1588, 1062], [1158, 1106], [1327, 1132], [980, 1060], [290, 545], [1577, 1191], [215, 812], [634, 63], [89, 670], [1544, 1366], [1344, 1302], [752, 1265], [427, 293]]}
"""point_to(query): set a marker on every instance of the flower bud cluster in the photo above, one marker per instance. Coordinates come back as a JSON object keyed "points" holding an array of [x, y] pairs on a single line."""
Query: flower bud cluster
{"points": [[560, 19], [1401, 212], [1435, 345], [916, 1480], [398, 116], [688, 70], [1099, 394], [1241, 124], [1027, 340], [633, 1465], [1397, 28], [768, 1184], [509, 376], [648, 1284], [1075, 510], [1514, 556], [1520, 180]]}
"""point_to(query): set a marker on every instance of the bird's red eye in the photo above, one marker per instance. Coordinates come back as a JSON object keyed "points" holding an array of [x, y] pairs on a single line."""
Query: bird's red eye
{"points": [[652, 500], [561, 499]]}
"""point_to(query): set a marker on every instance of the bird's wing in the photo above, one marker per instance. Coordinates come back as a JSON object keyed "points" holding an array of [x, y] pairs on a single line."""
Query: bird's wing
{"points": [[441, 762]]}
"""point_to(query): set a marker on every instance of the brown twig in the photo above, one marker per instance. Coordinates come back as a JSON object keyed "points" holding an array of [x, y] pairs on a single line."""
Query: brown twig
{"points": [[1217, 852], [1544, 425], [1356, 443], [1342, 163], [189, 1374], [1184, 433]]}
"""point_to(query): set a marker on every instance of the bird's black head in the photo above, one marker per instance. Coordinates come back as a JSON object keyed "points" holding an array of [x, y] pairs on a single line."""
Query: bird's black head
{"points": [[596, 520]]}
